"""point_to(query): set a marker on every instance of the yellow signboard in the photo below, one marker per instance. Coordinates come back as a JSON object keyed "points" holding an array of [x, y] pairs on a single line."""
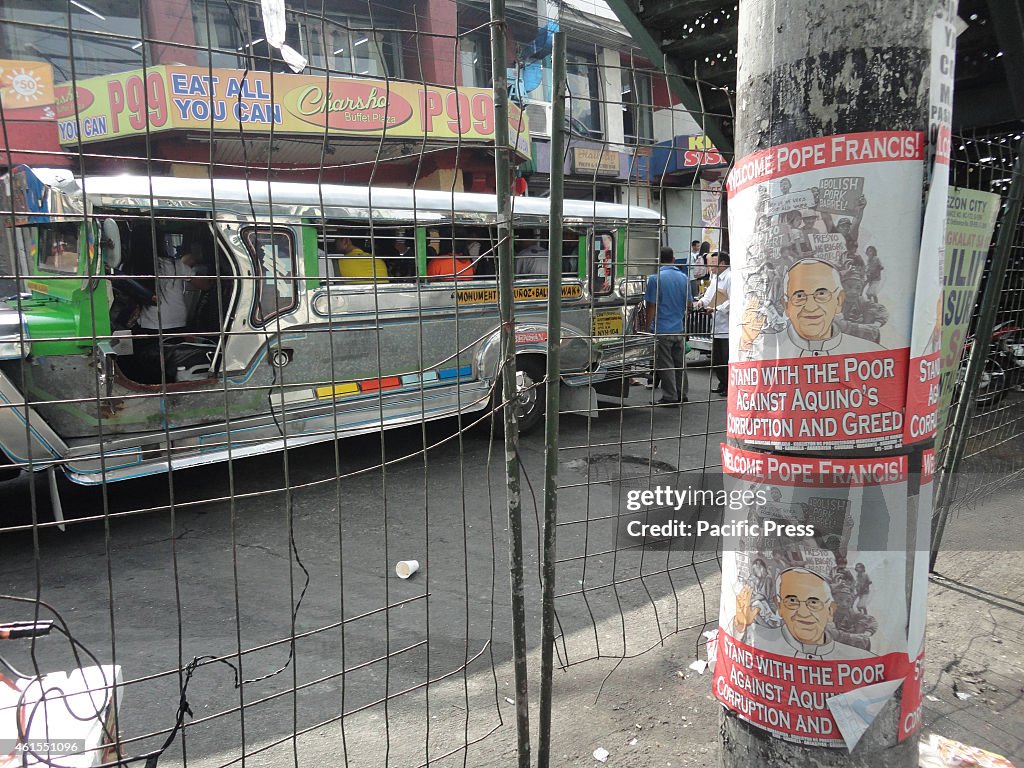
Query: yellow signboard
{"points": [[608, 324], [520, 293], [178, 97]]}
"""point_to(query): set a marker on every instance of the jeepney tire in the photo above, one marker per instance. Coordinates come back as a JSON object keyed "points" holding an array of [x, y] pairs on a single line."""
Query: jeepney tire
{"points": [[530, 372]]}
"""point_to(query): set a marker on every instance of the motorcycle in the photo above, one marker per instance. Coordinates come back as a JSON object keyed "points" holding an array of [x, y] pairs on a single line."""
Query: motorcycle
{"points": [[1004, 365]]}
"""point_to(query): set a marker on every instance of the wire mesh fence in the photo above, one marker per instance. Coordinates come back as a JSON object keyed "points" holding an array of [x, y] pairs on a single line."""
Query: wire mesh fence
{"points": [[983, 452], [251, 362], [219, 262]]}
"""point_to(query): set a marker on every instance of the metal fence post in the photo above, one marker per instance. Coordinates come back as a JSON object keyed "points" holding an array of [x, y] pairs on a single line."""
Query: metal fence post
{"points": [[552, 392], [506, 267], [960, 427]]}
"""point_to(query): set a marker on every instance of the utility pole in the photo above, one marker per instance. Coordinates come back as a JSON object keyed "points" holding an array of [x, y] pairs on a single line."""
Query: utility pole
{"points": [[837, 216]]}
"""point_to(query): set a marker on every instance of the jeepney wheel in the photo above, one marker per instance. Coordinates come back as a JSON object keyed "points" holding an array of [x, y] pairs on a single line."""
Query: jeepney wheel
{"points": [[530, 396]]}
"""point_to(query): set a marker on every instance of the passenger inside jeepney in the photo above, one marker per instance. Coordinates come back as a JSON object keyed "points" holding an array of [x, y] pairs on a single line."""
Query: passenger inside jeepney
{"points": [[532, 255], [450, 263], [164, 319], [354, 265], [479, 247], [209, 298], [401, 262], [190, 289]]}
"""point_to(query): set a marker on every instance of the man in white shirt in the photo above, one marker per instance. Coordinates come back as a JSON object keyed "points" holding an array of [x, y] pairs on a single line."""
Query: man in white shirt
{"points": [[169, 311], [698, 264], [715, 301], [533, 259]]}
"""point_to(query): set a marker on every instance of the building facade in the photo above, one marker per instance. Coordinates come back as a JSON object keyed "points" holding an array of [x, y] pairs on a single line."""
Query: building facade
{"points": [[386, 92]]}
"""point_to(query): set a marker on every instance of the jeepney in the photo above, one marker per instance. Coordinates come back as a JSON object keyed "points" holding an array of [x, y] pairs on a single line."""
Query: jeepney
{"points": [[291, 349]]}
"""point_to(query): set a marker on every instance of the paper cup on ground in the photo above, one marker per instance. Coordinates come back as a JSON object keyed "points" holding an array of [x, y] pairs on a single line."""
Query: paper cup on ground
{"points": [[406, 568]]}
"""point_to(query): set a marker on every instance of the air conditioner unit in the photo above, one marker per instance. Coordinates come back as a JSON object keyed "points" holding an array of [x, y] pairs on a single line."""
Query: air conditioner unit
{"points": [[539, 115]]}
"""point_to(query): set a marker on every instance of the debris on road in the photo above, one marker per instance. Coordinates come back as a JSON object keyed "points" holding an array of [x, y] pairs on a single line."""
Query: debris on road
{"points": [[940, 752], [601, 755], [406, 568]]}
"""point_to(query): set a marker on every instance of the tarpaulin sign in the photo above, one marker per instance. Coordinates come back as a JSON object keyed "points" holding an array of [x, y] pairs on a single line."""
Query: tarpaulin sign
{"points": [[823, 262], [711, 212], [926, 341], [970, 221]]}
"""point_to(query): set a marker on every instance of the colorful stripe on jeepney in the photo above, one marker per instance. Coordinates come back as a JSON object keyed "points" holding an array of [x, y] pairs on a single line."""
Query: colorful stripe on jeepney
{"points": [[393, 383]]}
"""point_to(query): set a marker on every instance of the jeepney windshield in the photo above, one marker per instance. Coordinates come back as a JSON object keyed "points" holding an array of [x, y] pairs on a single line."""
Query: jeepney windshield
{"points": [[57, 246]]}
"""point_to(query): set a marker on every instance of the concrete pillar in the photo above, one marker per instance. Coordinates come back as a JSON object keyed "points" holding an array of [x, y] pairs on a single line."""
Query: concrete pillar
{"points": [[841, 125], [438, 20]]}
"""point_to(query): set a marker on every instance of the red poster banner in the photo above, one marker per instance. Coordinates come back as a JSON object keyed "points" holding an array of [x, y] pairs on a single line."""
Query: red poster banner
{"points": [[850, 401], [815, 627]]}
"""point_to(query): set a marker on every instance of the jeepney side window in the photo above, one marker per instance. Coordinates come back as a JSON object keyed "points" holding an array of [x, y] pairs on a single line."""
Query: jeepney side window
{"points": [[602, 263], [460, 253], [642, 256], [570, 253], [58, 248], [531, 253], [273, 255]]}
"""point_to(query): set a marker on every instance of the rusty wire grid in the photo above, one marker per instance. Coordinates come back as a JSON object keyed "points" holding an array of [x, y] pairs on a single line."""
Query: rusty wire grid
{"points": [[994, 429], [621, 592]]}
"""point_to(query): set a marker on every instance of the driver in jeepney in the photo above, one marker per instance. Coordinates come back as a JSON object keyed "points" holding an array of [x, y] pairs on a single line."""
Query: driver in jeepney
{"points": [[167, 313]]}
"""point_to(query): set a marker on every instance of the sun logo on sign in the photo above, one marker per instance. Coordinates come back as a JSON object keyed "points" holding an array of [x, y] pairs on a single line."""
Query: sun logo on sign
{"points": [[25, 85]]}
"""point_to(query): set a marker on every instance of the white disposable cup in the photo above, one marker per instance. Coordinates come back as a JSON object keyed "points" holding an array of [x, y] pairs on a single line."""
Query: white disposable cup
{"points": [[406, 568]]}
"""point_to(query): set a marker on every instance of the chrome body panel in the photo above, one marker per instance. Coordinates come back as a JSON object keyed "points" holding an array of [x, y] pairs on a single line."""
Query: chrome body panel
{"points": [[152, 453], [25, 436], [14, 343]]}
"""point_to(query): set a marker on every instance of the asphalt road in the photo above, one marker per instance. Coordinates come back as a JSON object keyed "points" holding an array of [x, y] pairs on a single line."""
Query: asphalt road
{"points": [[212, 562]]}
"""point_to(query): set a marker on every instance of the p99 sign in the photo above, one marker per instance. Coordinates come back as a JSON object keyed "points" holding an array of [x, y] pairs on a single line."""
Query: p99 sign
{"points": [[134, 98]]}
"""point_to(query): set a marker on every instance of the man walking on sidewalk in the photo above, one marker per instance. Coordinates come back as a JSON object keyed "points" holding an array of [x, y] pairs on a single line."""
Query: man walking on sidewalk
{"points": [[716, 302], [667, 297]]}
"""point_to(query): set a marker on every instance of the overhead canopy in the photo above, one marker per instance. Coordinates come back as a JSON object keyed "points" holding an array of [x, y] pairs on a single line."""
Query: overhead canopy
{"points": [[698, 38]]}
